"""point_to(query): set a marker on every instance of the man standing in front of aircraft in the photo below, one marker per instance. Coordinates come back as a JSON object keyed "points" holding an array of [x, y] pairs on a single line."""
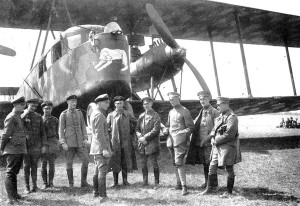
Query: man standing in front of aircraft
{"points": [[13, 146], [179, 127], [73, 137], [51, 127], [200, 147], [36, 143], [100, 146], [225, 146]]}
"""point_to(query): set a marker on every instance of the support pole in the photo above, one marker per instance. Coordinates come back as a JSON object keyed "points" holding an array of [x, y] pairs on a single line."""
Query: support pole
{"points": [[238, 26], [214, 60], [152, 87], [162, 98], [290, 65], [46, 37], [37, 44]]}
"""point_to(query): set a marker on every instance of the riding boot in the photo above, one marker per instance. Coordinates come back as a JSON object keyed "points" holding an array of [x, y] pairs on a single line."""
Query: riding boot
{"points": [[124, 176], [51, 177], [230, 183], [84, 171], [205, 169], [70, 178], [102, 189], [10, 191], [15, 187], [26, 177], [44, 177], [96, 186], [145, 176], [34, 179], [116, 176], [156, 176], [210, 184]]}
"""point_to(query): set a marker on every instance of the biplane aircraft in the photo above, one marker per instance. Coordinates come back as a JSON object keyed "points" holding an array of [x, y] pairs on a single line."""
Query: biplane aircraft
{"points": [[98, 52]]}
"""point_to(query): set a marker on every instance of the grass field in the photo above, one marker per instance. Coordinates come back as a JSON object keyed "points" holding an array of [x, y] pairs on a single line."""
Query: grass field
{"points": [[265, 177]]}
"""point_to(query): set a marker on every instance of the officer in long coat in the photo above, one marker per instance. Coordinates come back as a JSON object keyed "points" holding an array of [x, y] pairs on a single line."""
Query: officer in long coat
{"points": [[36, 143], [13, 146], [51, 127], [100, 145], [147, 130], [73, 137], [180, 125], [225, 142], [118, 124], [200, 147]]}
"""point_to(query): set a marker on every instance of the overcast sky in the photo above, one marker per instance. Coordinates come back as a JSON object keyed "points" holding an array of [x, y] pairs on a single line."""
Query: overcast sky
{"points": [[267, 66]]}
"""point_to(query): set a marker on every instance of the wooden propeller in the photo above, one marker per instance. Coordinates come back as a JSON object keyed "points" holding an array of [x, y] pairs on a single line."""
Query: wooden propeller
{"points": [[168, 38], [7, 51]]}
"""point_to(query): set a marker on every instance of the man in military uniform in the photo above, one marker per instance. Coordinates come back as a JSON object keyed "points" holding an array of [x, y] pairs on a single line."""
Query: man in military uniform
{"points": [[51, 128], [200, 147], [118, 124], [13, 146], [100, 146], [179, 127], [225, 150], [73, 137], [147, 130], [36, 142]]}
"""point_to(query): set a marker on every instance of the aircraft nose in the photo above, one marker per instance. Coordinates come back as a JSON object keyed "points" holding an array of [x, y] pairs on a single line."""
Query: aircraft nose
{"points": [[179, 52]]}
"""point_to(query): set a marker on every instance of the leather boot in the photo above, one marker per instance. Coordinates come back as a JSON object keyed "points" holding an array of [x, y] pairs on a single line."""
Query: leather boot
{"points": [[115, 176], [70, 178], [205, 169], [34, 187], [210, 183], [145, 176], [95, 186], [102, 186], [124, 176], [156, 177], [10, 191], [44, 177], [15, 187], [84, 171], [26, 177], [51, 177], [230, 183], [34, 179], [184, 190]]}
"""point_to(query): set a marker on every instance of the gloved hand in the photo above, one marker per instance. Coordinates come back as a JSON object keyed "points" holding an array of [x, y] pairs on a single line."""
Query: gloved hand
{"points": [[44, 149], [65, 146], [106, 153]]}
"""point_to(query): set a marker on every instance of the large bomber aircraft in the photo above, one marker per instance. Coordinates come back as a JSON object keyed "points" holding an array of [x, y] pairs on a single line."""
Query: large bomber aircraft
{"points": [[98, 52]]}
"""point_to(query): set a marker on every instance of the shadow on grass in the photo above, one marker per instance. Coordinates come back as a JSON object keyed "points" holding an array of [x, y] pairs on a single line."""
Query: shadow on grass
{"points": [[71, 192], [267, 194], [29, 201], [151, 201]]}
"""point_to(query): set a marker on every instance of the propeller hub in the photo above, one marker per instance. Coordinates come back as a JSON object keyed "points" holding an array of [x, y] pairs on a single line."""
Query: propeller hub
{"points": [[179, 52]]}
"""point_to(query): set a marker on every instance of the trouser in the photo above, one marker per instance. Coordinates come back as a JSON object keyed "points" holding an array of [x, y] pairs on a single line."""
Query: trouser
{"points": [[30, 168], [13, 166], [177, 154], [48, 158], [101, 170], [82, 154], [153, 159]]}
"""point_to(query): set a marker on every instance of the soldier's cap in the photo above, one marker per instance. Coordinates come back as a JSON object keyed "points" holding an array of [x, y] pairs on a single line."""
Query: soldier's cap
{"points": [[18, 100], [101, 97], [71, 97], [173, 94], [47, 103], [33, 101], [221, 100], [204, 94], [118, 98], [147, 99]]}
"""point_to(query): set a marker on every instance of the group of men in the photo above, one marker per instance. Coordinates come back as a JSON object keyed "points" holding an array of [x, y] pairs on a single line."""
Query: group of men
{"points": [[211, 140]]}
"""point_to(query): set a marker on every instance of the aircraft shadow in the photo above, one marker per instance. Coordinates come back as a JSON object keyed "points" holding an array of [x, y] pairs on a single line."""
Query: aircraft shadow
{"points": [[261, 193]]}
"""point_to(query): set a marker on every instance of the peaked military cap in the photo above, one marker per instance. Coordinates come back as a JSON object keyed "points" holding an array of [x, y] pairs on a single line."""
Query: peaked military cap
{"points": [[147, 99], [174, 94], [34, 101], [204, 94], [71, 97], [118, 98], [221, 100], [47, 103], [101, 97], [18, 100]]}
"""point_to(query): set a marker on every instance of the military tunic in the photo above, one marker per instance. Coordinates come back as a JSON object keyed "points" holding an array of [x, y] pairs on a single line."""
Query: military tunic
{"points": [[51, 129], [225, 133]]}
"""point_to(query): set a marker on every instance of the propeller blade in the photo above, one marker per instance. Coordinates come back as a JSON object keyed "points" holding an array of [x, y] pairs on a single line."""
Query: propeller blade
{"points": [[7, 51], [197, 75], [161, 27]]}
